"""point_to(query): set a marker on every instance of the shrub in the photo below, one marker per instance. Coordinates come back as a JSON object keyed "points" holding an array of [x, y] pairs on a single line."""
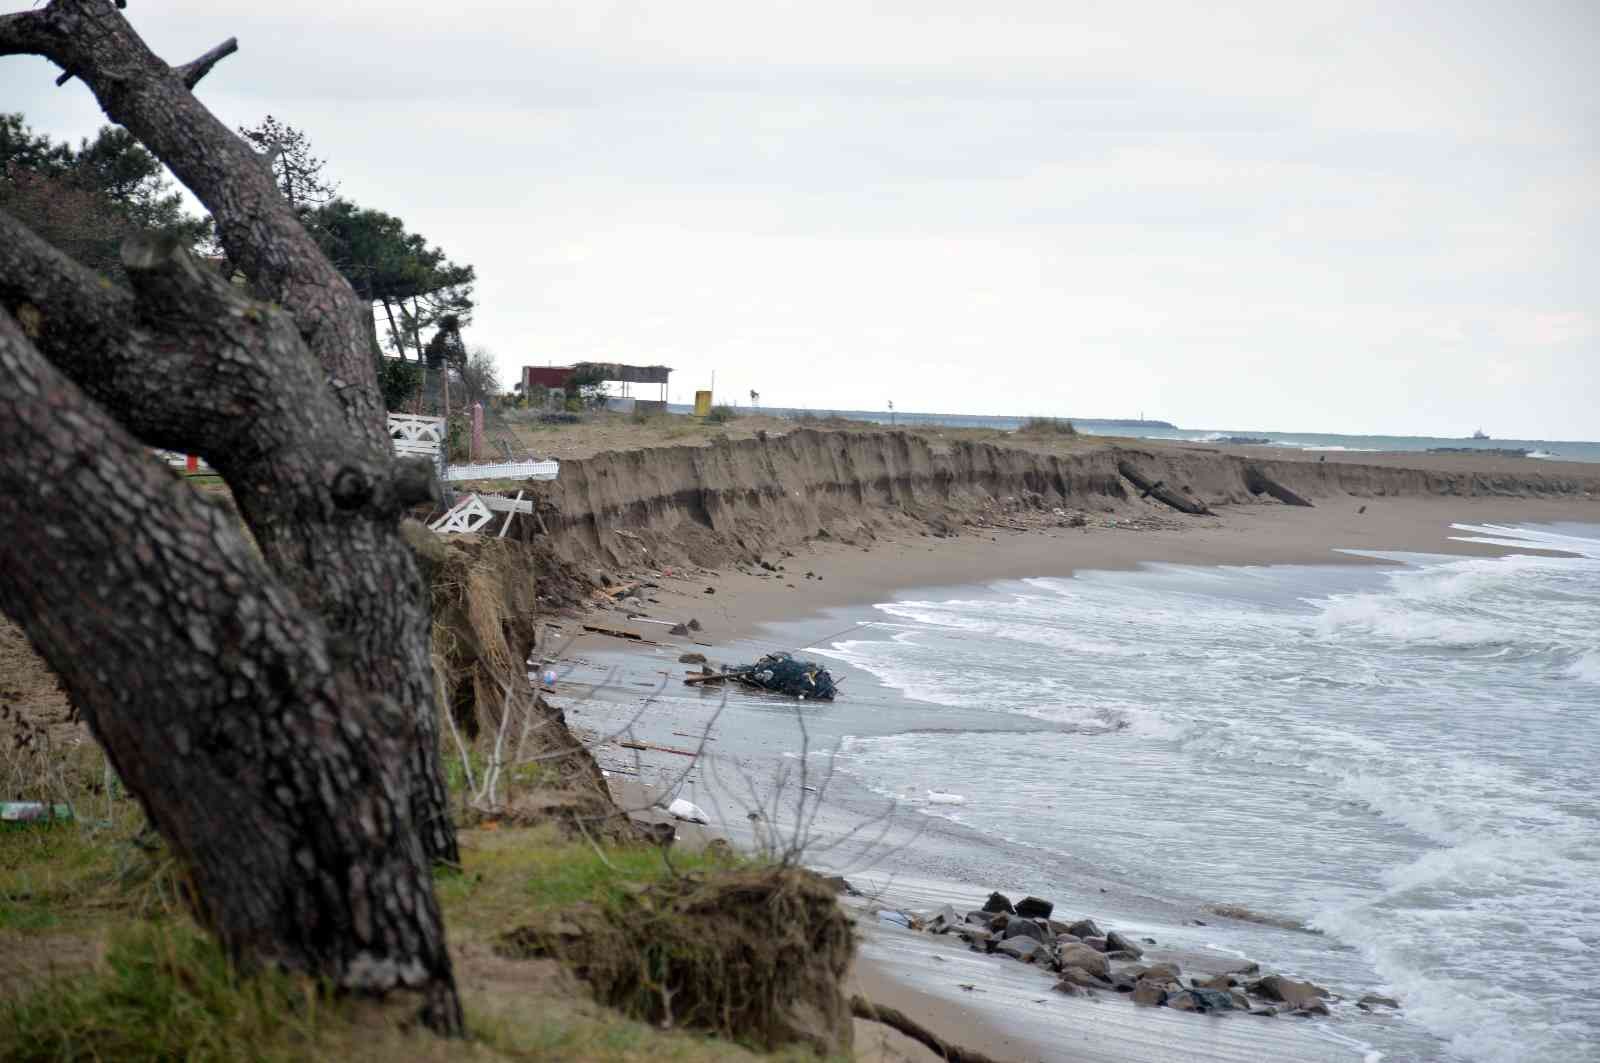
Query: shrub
{"points": [[1046, 426], [722, 414]]}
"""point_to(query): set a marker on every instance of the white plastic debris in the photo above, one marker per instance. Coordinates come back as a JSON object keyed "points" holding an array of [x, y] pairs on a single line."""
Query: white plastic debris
{"points": [[686, 810], [937, 797]]}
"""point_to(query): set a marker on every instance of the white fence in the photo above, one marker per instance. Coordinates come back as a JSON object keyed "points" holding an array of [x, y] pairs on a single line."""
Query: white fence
{"points": [[504, 470]]}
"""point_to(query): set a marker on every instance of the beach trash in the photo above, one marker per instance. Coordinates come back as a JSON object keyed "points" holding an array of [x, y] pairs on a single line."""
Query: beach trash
{"points": [[782, 674], [33, 812], [549, 677], [937, 797], [687, 810]]}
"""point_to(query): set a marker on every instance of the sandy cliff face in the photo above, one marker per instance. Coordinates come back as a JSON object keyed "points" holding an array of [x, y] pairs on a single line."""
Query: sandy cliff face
{"points": [[742, 498]]}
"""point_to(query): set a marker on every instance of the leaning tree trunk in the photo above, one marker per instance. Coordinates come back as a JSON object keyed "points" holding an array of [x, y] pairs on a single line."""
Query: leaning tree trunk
{"points": [[276, 717]]}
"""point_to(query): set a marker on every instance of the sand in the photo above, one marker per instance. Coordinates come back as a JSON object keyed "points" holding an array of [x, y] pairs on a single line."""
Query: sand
{"points": [[1242, 535], [923, 975]]}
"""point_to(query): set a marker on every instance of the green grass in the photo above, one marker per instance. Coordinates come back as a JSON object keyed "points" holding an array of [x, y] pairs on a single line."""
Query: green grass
{"points": [[515, 871], [164, 991]]}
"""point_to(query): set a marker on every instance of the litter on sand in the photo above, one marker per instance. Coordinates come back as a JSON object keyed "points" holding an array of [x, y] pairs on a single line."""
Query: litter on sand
{"points": [[937, 797], [778, 673], [687, 810]]}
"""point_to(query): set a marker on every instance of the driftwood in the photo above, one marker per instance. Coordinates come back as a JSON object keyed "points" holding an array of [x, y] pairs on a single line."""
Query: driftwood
{"points": [[1258, 482], [711, 677], [658, 749], [862, 1008], [1161, 492], [617, 633]]}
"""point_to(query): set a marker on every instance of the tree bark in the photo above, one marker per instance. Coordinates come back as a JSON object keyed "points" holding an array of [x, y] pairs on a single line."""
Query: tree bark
{"points": [[348, 562], [216, 696], [276, 716]]}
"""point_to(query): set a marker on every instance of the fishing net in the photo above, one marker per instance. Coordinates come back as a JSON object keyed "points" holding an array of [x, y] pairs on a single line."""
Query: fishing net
{"points": [[782, 674]]}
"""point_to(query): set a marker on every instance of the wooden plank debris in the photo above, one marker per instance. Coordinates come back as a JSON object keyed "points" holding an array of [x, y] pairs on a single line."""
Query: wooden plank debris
{"points": [[659, 749]]}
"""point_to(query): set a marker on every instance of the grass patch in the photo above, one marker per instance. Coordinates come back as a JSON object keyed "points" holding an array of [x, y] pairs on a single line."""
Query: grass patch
{"points": [[164, 991], [722, 414], [508, 873]]}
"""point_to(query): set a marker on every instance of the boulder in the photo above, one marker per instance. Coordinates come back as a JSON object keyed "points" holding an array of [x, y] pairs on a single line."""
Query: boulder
{"points": [[1034, 908], [979, 918], [1216, 981], [1183, 1000], [999, 902], [1287, 990], [1058, 928], [1149, 994], [1023, 928], [1115, 942], [1084, 928], [1160, 972], [943, 920], [1073, 955], [1210, 999], [1098, 944], [691, 658], [1314, 1006], [1240, 1001], [1373, 1000], [1025, 949], [1123, 955], [1080, 977], [972, 935]]}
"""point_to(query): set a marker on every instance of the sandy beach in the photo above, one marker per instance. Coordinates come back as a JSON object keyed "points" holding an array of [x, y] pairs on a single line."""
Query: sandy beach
{"points": [[1004, 1010]]}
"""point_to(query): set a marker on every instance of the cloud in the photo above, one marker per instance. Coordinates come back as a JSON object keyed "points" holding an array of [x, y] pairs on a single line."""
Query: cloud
{"points": [[1345, 216]]}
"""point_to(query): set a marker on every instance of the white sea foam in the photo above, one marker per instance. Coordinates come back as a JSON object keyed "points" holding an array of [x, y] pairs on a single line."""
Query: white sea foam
{"points": [[1404, 757]]}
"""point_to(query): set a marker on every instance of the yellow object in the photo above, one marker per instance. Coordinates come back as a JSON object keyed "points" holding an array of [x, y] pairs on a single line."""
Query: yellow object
{"points": [[702, 404]]}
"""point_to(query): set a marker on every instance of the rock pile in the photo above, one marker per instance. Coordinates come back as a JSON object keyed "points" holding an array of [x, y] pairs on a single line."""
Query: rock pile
{"points": [[1087, 959]]}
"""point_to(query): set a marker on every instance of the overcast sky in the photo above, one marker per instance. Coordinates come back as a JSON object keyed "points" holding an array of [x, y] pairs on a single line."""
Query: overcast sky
{"points": [[1345, 217]]}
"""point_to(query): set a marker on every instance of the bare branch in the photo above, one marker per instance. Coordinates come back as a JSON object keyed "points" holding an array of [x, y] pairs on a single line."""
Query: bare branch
{"points": [[192, 71], [259, 230]]}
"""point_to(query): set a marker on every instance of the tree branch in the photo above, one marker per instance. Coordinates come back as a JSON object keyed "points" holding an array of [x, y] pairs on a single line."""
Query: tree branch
{"points": [[192, 71], [259, 230]]}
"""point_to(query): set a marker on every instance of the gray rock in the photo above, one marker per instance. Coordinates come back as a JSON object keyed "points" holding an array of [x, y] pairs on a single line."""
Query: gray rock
{"points": [[1240, 1001], [1239, 967], [973, 935], [1149, 994], [1211, 999], [1084, 929], [1161, 972], [980, 918], [1034, 908], [1183, 1000], [679, 629], [1373, 1000], [1287, 990], [1058, 928], [1219, 981], [1123, 955], [691, 658], [943, 920], [1023, 928], [1312, 1007], [1025, 949], [999, 902], [1098, 944], [1115, 942], [1074, 955]]}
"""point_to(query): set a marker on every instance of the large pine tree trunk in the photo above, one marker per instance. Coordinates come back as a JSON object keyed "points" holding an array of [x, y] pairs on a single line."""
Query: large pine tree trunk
{"points": [[275, 715]]}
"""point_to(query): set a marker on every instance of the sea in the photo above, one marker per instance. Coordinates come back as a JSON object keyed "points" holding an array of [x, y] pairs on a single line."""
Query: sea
{"points": [[1391, 772], [1322, 442]]}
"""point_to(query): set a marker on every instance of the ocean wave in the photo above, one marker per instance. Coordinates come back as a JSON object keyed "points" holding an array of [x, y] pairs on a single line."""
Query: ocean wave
{"points": [[1586, 667]]}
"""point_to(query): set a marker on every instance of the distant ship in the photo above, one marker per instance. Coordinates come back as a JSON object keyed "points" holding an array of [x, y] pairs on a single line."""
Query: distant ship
{"points": [[1480, 434]]}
